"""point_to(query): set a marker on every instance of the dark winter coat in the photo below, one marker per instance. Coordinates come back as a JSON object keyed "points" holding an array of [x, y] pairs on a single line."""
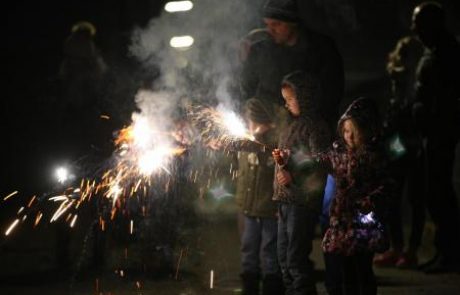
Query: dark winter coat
{"points": [[305, 135], [267, 63], [362, 186], [436, 110], [254, 184]]}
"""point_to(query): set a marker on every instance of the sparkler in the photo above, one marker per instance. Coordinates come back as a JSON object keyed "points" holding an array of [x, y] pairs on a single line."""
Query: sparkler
{"points": [[141, 151], [220, 127]]}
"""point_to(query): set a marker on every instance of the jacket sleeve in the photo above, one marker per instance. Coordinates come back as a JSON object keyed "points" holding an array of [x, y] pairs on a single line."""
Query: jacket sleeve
{"points": [[249, 79], [309, 177]]}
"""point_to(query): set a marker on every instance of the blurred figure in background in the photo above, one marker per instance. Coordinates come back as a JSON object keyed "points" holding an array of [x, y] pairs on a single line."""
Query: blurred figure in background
{"points": [[437, 117], [405, 149], [81, 73]]}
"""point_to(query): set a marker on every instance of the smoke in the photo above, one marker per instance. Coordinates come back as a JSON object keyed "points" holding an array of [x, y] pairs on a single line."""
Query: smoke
{"points": [[206, 71], [156, 106]]}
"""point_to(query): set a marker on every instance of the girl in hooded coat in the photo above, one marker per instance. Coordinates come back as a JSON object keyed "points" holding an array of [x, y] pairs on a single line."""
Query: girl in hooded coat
{"points": [[355, 231]]}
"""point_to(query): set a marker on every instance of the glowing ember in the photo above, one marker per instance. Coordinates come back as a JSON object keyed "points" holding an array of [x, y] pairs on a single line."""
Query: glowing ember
{"points": [[11, 227], [10, 195]]}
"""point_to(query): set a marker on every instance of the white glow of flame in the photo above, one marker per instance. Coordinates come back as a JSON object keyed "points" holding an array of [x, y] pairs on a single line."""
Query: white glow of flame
{"points": [[62, 174], [178, 6], [234, 124], [154, 159], [142, 133], [114, 191], [182, 42]]}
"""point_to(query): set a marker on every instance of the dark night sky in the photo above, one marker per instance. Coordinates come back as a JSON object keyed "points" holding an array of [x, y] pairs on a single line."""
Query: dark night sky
{"points": [[36, 31]]}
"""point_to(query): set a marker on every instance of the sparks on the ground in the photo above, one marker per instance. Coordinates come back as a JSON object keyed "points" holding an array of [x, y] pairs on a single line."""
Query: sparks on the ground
{"points": [[11, 227], [10, 195]]}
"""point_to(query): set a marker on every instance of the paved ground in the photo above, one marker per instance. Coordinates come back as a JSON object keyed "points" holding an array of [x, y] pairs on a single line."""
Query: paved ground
{"points": [[27, 268], [27, 264]]}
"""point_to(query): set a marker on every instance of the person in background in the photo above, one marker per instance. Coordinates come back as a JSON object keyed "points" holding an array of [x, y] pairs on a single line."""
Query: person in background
{"points": [[437, 118], [404, 145]]}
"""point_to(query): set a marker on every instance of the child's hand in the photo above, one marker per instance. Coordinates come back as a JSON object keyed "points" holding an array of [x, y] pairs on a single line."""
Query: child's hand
{"points": [[283, 177], [277, 155]]}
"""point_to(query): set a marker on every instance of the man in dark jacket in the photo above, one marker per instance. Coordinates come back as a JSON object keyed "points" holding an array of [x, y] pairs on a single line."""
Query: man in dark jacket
{"points": [[288, 46], [437, 116], [299, 182]]}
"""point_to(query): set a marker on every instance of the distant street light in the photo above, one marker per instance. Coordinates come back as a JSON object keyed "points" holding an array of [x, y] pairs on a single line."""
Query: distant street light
{"points": [[178, 6], [181, 42]]}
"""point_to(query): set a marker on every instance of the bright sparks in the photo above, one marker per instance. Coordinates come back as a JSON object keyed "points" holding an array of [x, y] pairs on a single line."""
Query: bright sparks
{"points": [[11, 227], [10, 195], [62, 174], [235, 125]]}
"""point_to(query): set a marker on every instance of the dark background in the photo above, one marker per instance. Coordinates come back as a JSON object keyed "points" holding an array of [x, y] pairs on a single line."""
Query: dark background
{"points": [[365, 31]]}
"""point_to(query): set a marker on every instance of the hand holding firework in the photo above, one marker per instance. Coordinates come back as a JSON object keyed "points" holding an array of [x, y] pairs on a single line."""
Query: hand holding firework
{"points": [[283, 176], [278, 157]]}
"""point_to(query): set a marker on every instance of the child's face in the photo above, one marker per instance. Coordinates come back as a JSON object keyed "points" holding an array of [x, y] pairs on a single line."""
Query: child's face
{"points": [[290, 97], [351, 134]]}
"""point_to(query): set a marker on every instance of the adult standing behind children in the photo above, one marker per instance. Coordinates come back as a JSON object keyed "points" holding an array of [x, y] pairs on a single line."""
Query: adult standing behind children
{"points": [[405, 164], [299, 184], [287, 46]]}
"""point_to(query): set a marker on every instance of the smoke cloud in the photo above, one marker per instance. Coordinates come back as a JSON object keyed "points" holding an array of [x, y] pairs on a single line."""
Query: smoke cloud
{"points": [[205, 71]]}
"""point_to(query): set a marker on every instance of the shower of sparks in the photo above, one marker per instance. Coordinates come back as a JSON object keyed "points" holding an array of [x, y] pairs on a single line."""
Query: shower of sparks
{"points": [[219, 125], [141, 152]]}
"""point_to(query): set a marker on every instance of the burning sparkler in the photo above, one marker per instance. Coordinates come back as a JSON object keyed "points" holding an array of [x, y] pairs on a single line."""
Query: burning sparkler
{"points": [[141, 152], [220, 127]]}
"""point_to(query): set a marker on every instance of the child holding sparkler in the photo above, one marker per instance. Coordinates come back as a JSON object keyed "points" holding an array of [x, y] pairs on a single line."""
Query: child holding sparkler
{"points": [[299, 181], [254, 191], [355, 230]]}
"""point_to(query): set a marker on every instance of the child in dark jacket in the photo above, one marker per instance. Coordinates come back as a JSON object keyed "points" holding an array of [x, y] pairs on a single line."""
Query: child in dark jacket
{"points": [[299, 182], [355, 230], [254, 191]]}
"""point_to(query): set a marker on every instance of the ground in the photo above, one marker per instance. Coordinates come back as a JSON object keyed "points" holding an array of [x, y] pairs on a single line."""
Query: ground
{"points": [[28, 267]]}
